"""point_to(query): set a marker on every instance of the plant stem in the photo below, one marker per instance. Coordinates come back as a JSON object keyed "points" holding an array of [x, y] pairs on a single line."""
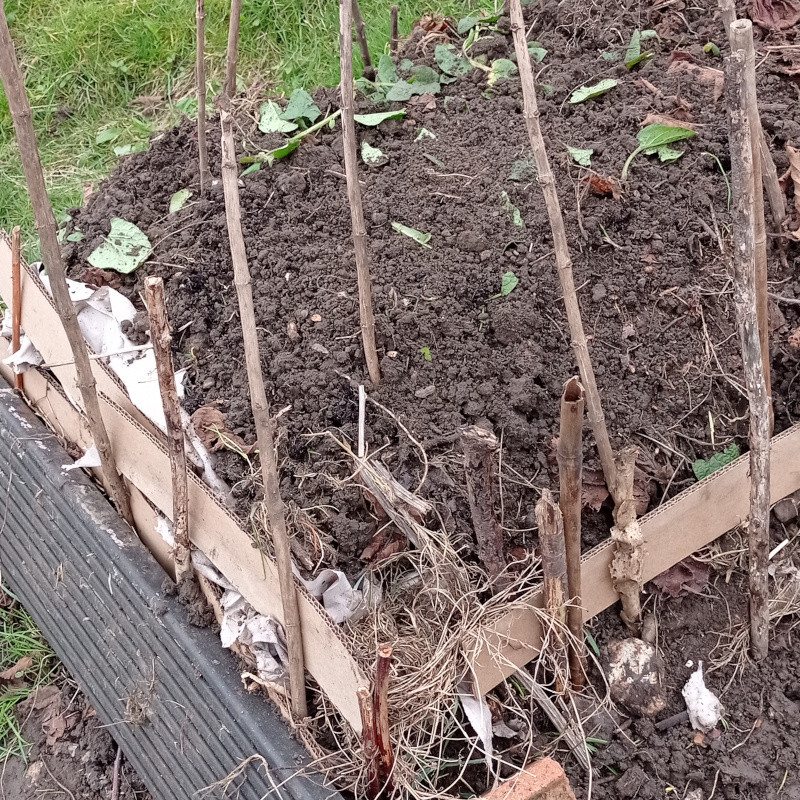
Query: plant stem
{"points": [[361, 35], [232, 53], [741, 148], [633, 155], [394, 27], [368, 734], [265, 424], [381, 706], [200, 84], [20, 109], [16, 297], [161, 337], [354, 193]]}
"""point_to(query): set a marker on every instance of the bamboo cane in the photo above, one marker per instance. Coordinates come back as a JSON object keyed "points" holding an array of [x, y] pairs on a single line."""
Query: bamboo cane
{"points": [[48, 235], [16, 297], [570, 468], [741, 147], [361, 36], [265, 424], [200, 84], [232, 53], [563, 261], [161, 338], [354, 193], [381, 706], [394, 28]]}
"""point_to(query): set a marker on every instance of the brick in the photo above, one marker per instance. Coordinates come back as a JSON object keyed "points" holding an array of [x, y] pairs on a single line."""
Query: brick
{"points": [[540, 780]]}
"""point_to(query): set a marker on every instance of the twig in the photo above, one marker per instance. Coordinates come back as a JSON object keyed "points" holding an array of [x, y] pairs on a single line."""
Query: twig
{"points": [[371, 756], [48, 235], [354, 193], [381, 707], [554, 580], [740, 137], [200, 84], [394, 27], [479, 446], [362, 419], [547, 181], [265, 424], [16, 295], [232, 53], [361, 35], [741, 38], [570, 468], [117, 770], [670, 722], [161, 337], [791, 301]]}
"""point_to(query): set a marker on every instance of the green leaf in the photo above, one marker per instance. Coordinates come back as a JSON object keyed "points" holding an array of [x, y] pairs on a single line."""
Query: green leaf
{"points": [[372, 155], [501, 68], [188, 106], [582, 157], [653, 138], [76, 236], [387, 71], [468, 23], [406, 65], [702, 469], [589, 92], [426, 353], [523, 170], [450, 61], [537, 51], [710, 47], [371, 120], [283, 151], [107, 135], [510, 208], [665, 153], [425, 80], [270, 120], [610, 55], [424, 133], [401, 92], [301, 106], [509, 283], [417, 236], [255, 167], [178, 200], [124, 250]]}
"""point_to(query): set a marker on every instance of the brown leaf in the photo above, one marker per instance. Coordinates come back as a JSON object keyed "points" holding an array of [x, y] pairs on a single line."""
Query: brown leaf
{"points": [[14, 674], [604, 187], [209, 422], [794, 340], [705, 75], [794, 172], [593, 491], [670, 122], [98, 277], [423, 102], [686, 577], [776, 14]]}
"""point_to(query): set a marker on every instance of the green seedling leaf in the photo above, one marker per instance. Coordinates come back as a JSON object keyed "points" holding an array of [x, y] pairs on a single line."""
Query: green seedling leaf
{"points": [[417, 236], [592, 642], [710, 47], [285, 150], [634, 54], [76, 236], [468, 23], [426, 353], [401, 92], [124, 250], [537, 51], [450, 61], [255, 167], [655, 137], [589, 92], [523, 170], [271, 121], [610, 55], [406, 65], [665, 153], [511, 209], [424, 133], [582, 157], [501, 68], [108, 135], [178, 200], [425, 80], [371, 120], [387, 71], [187, 106], [508, 284], [301, 106], [702, 468], [439, 163], [372, 155]]}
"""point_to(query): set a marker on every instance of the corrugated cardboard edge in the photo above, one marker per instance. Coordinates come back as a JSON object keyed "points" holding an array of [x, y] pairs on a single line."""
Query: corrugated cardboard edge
{"points": [[142, 459], [675, 530]]}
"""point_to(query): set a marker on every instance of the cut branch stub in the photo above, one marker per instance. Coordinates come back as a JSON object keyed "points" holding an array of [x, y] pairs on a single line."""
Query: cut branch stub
{"points": [[371, 757], [479, 446], [381, 704]]}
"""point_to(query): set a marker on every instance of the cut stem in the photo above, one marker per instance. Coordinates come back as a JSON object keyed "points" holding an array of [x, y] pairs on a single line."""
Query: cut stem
{"points": [[232, 53], [265, 424], [161, 338], [394, 28], [200, 88], [361, 35], [16, 297], [741, 148], [381, 705], [570, 469], [368, 734], [563, 262], [354, 193], [20, 109]]}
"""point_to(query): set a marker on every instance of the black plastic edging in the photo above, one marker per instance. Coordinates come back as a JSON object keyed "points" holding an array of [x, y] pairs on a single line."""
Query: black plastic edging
{"points": [[96, 593]]}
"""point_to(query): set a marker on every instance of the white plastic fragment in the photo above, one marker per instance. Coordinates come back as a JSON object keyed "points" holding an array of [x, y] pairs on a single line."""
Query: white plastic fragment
{"points": [[27, 356], [705, 709], [91, 458], [480, 717]]}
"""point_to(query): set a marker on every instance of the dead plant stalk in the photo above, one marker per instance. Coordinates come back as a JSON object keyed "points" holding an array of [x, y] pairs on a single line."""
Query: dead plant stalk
{"points": [[381, 707], [20, 109], [361, 35], [371, 756], [563, 260], [232, 53], [354, 192], [394, 27], [161, 338], [741, 140], [16, 297], [200, 88], [265, 424]]}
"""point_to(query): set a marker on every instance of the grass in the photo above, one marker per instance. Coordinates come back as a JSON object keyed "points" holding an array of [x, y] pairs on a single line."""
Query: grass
{"points": [[87, 61]]}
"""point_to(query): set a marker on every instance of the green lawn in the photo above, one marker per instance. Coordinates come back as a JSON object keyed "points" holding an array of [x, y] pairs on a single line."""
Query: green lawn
{"points": [[87, 62]]}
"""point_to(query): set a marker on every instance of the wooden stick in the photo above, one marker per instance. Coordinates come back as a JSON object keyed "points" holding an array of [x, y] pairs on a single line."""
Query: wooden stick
{"points": [[16, 297], [381, 706], [554, 581], [354, 193], [161, 338], [741, 35], [265, 424], [740, 136], [232, 54], [51, 251], [200, 84], [563, 261], [479, 446], [394, 25], [570, 469], [371, 758], [361, 35]]}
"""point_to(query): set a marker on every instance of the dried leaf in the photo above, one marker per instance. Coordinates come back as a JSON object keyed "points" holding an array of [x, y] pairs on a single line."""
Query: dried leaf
{"points": [[794, 340], [424, 102], [794, 171], [210, 424], [706, 75], [15, 673], [603, 187], [663, 119], [593, 490], [776, 14], [686, 577], [98, 277]]}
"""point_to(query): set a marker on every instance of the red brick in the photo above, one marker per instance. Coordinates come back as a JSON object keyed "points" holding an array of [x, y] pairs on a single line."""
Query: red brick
{"points": [[540, 780]]}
